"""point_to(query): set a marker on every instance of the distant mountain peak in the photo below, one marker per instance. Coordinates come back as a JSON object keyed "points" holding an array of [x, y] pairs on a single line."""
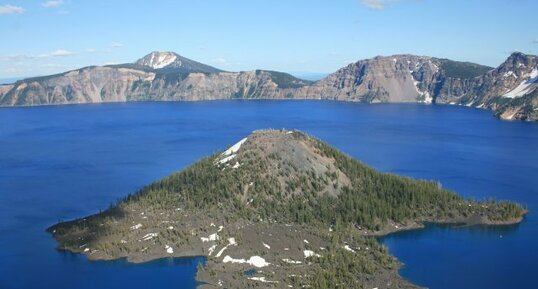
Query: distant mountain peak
{"points": [[519, 61], [518, 54], [158, 59], [171, 60]]}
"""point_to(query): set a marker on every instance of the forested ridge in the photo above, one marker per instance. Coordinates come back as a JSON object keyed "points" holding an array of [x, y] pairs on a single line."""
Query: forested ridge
{"points": [[370, 200]]}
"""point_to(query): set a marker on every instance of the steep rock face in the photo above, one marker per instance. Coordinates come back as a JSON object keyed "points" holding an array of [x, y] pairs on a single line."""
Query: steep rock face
{"points": [[521, 108], [5, 88], [108, 84], [501, 81], [223, 85], [399, 78], [509, 90], [86, 85], [519, 69]]}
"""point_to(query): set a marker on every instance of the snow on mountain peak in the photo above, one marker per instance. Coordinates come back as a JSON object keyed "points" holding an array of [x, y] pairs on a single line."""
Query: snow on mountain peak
{"points": [[157, 60]]}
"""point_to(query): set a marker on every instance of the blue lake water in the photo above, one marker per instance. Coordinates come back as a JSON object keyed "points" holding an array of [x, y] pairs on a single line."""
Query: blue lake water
{"points": [[63, 162]]}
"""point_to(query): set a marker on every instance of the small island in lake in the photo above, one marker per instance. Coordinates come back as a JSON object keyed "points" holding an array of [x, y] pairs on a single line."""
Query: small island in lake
{"points": [[277, 209]]}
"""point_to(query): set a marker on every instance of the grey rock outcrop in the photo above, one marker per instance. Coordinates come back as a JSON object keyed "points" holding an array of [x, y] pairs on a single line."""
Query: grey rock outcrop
{"points": [[509, 90]]}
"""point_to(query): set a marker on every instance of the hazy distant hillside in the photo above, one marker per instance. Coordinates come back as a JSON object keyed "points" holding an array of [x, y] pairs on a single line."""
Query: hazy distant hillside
{"points": [[8, 80]]}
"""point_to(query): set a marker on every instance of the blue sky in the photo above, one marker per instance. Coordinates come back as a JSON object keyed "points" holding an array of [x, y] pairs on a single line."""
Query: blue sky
{"points": [[44, 37]]}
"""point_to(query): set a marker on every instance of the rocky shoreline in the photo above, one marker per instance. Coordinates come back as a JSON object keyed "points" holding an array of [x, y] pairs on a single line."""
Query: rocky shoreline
{"points": [[216, 272], [459, 222]]}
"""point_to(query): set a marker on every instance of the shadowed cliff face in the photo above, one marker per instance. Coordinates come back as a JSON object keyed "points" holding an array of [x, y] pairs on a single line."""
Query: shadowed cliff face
{"points": [[509, 90]]}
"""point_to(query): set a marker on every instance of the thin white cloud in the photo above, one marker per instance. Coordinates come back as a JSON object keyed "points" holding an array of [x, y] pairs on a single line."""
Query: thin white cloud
{"points": [[13, 70], [15, 57], [25, 70], [221, 61], [52, 3], [61, 53], [116, 45], [10, 9], [51, 65], [25, 57], [535, 41], [91, 50], [377, 4]]}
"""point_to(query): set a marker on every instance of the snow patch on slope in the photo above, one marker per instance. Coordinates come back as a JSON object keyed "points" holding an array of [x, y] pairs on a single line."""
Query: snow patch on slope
{"points": [[231, 242], [169, 249], [255, 261], [158, 60], [261, 279], [310, 253], [509, 73], [233, 149], [148, 237], [427, 97], [136, 227], [525, 87], [347, 248], [230, 153], [210, 238]]}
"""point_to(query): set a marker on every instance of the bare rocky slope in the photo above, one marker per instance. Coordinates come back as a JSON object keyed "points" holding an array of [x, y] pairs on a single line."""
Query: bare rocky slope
{"points": [[282, 205], [509, 90]]}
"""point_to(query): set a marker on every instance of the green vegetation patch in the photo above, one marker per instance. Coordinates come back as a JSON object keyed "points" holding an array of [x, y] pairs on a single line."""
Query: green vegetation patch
{"points": [[285, 80], [463, 70]]}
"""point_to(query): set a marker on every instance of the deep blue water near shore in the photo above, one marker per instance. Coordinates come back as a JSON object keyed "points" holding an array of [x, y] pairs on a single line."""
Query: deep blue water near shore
{"points": [[63, 162]]}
